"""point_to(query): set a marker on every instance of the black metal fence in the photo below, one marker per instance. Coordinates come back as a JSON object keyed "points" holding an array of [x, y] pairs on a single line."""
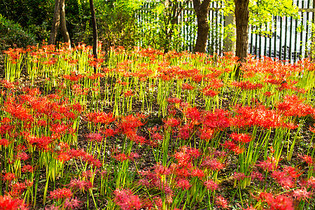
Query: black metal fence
{"points": [[287, 41]]}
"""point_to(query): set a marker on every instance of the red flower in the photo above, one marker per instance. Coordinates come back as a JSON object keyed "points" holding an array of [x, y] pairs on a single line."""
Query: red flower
{"points": [[222, 202], [126, 200], [8, 203], [94, 137], [198, 173], [183, 184], [9, 176], [211, 185], [4, 142], [241, 137], [61, 193]]}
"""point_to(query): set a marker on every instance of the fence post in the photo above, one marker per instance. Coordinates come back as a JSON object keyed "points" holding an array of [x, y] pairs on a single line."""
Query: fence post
{"points": [[229, 36]]}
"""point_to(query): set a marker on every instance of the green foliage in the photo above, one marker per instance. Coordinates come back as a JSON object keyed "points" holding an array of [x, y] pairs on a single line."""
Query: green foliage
{"points": [[34, 16], [161, 27], [261, 12], [12, 34], [116, 22]]}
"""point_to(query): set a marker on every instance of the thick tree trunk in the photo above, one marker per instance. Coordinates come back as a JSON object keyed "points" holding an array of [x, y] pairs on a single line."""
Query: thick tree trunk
{"points": [[241, 19], [56, 23], [202, 10], [63, 25], [95, 37]]}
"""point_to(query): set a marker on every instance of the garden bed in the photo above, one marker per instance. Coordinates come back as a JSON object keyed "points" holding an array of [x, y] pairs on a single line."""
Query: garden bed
{"points": [[155, 131]]}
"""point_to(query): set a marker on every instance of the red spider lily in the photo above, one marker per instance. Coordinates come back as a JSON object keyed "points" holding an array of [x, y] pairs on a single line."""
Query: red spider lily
{"points": [[301, 194], [206, 133], [128, 93], [18, 111], [311, 182], [109, 132], [185, 132], [61, 193], [27, 168], [171, 122], [9, 203], [173, 100], [197, 173], [73, 77], [63, 157], [76, 153], [218, 118], [214, 83], [8, 85], [156, 139], [247, 85], [182, 158], [270, 164], [60, 129], [43, 143], [212, 163], [92, 161], [259, 116], [211, 185], [193, 115], [186, 86], [257, 175], [72, 203], [222, 202], [18, 188], [4, 142], [284, 179], [126, 200], [230, 145], [80, 184], [239, 176], [9, 176], [241, 137], [209, 92], [306, 158], [183, 184], [128, 125], [23, 156], [293, 106], [161, 170], [122, 157], [94, 137], [281, 202]]}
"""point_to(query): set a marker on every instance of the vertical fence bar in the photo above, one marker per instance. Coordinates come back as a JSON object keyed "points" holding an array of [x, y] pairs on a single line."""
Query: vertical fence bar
{"points": [[270, 38], [275, 38], [301, 33], [307, 30], [285, 39], [280, 44]]}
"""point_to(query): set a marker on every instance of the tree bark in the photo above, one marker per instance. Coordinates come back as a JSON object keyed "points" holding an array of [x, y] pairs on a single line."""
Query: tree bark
{"points": [[241, 19], [56, 23], [63, 25], [202, 10], [95, 37]]}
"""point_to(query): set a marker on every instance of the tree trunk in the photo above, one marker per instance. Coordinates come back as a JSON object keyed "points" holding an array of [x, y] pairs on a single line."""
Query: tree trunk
{"points": [[64, 30], [56, 23], [95, 37], [202, 10], [312, 53], [241, 19]]}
